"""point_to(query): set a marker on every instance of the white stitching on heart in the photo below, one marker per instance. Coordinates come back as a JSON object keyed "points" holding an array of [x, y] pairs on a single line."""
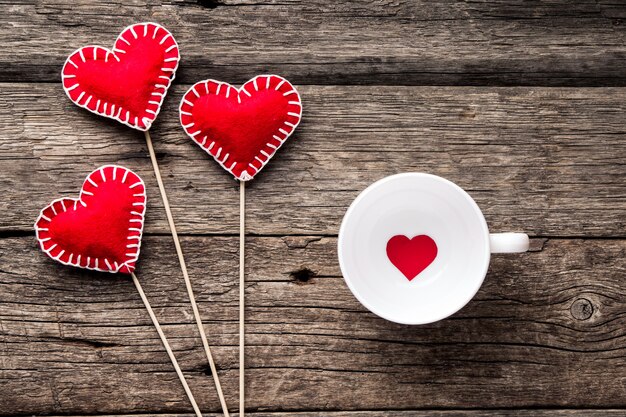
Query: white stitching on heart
{"points": [[188, 100], [139, 217], [164, 86]]}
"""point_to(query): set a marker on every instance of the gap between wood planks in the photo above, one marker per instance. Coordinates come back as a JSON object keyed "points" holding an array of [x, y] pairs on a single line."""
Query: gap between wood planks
{"points": [[536, 240], [500, 412]]}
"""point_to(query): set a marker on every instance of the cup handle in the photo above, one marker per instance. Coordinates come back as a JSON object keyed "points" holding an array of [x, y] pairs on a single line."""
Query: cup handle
{"points": [[509, 242]]}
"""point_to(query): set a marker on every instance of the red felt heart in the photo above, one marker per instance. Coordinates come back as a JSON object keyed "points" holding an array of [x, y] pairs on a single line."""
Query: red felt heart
{"points": [[129, 83], [411, 256], [241, 128], [100, 230]]}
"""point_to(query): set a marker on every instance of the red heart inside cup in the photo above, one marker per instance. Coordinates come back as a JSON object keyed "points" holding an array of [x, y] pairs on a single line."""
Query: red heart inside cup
{"points": [[128, 83], [241, 128], [411, 256], [100, 230]]}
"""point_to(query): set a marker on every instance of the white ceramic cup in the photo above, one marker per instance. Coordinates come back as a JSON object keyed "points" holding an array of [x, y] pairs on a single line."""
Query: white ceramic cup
{"points": [[410, 205]]}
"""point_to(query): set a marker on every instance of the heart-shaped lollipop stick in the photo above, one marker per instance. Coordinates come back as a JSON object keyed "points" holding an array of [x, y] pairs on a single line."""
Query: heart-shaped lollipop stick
{"points": [[101, 230], [129, 84], [241, 128]]}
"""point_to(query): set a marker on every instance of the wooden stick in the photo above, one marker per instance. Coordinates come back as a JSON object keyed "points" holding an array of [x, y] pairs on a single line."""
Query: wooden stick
{"points": [[242, 236], [183, 267], [166, 345]]}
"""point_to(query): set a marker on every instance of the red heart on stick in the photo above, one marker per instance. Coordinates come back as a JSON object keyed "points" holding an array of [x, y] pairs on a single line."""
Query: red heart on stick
{"points": [[241, 128], [411, 256], [129, 83], [100, 230]]}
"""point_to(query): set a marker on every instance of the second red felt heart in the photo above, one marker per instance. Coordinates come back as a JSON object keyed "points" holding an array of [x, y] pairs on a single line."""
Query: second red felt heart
{"points": [[411, 256], [241, 128]]}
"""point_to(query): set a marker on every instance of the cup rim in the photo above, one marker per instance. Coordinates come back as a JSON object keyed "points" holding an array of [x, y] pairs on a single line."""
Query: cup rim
{"points": [[477, 212]]}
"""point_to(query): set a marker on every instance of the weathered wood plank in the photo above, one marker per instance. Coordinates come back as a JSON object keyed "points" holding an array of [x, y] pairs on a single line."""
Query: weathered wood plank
{"points": [[548, 161], [420, 413], [328, 42], [546, 330]]}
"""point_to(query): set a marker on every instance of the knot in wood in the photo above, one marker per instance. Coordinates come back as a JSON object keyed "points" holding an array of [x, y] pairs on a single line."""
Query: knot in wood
{"points": [[302, 275], [581, 309]]}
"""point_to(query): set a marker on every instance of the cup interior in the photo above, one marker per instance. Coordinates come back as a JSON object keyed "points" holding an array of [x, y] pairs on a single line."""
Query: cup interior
{"points": [[414, 204]]}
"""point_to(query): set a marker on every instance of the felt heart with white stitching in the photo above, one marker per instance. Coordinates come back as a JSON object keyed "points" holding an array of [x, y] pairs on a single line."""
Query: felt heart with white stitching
{"points": [[241, 128], [128, 83], [100, 230]]}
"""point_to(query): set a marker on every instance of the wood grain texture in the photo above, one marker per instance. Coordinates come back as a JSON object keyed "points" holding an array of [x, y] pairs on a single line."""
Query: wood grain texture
{"points": [[77, 342], [545, 336], [547, 161], [329, 42], [420, 413]]}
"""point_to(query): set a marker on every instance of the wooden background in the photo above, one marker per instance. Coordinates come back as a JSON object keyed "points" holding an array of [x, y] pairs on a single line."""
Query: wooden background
{"points": [[521, 103]]}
